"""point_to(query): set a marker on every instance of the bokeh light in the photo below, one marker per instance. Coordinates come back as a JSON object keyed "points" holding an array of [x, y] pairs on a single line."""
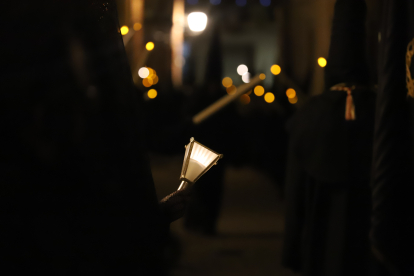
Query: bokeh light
{"points": [[293, 100], [150, 46], [245, 99], [152, 72], [291, 93], [197, 21], [322, 62], [227, 82], [124, 30], [246, 77], [152, 93], [241, 3], [147, 82], [259, 90], [143, 72], [275, 69], [262, 76], [154, 80], [231, 90], [269, 97], [137, 26], [241, 69], [265, 3]]}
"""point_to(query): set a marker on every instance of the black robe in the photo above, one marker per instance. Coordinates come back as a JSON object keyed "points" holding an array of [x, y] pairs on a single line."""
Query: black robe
{"points": [[327, 187], [328, 203], [76, 195], [393, 160]]}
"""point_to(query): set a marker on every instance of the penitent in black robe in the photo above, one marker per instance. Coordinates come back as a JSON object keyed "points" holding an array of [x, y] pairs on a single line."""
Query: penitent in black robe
{"points": [[328, 200], [76, 193], [393, 161]]}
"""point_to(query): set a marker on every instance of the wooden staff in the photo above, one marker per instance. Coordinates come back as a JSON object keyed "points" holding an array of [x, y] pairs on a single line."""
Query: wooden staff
{"points": [[225, 100]]}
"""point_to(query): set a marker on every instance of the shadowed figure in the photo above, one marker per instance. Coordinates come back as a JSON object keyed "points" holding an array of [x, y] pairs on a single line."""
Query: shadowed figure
{"points": [[77, 195], [328, 201], [393, 175]]}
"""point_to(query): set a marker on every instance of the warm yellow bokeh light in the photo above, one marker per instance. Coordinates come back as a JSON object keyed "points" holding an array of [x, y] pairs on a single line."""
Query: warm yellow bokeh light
{"points": [[269, 97], [124, 30], [150, 46], [154, 80], [259, 90], [291, 93], [151, 72], [137, 26], [275, 69], [293, 100], [245, 99], [231, 90], [227, 82], [262, 76], [152, 93], [322, 62], [147, 82]]}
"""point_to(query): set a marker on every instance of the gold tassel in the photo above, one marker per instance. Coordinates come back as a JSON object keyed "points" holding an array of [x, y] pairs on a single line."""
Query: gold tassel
{"points": [[349, 106]]}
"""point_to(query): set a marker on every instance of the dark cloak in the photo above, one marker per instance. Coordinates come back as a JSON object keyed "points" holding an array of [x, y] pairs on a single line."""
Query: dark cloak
{"points": [[392, 232], [327, 187], [77, 195], [328, 202]]}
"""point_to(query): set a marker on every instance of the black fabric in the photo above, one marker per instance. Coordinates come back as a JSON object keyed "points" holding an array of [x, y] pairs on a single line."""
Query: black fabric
{"points": [[77, 195], [327, 187], [328, 203], [392, 178], [347, 51]]}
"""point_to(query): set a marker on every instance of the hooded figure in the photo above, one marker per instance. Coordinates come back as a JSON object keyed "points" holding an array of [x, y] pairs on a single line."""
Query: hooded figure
{"points": [[77, 195], [393, 158], [327, 186]]}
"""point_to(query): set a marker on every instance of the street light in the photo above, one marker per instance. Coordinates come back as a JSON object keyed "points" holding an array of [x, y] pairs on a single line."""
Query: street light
{"points": [[198, 159]]}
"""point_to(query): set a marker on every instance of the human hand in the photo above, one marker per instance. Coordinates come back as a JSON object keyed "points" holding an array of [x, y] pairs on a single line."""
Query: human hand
{"points": [[174, 205]]}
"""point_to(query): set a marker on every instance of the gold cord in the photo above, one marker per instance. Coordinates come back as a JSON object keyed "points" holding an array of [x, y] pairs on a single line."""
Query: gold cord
{"points": [[409, 80]]}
